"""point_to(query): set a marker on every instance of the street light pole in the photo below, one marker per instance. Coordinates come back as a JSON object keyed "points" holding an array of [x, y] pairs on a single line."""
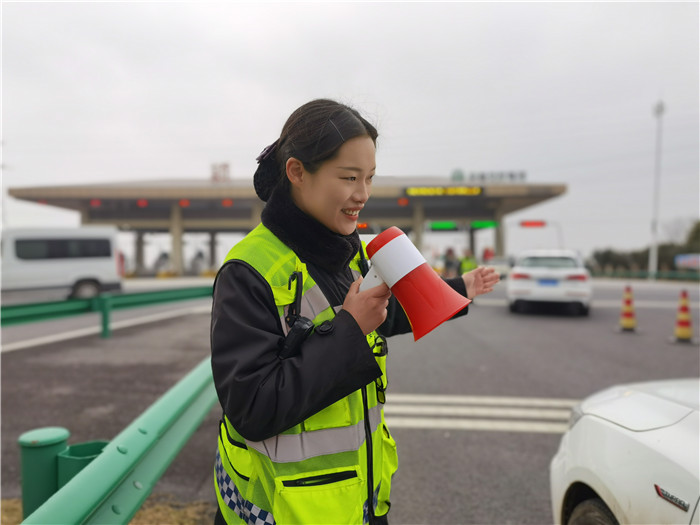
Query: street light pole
{"points": [[653, 249]]}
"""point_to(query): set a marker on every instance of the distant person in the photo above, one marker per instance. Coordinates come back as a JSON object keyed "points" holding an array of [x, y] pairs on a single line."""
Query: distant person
{"points": [[162, 263], [451, 264], [298, 352], [198, 263], [468, 262]]}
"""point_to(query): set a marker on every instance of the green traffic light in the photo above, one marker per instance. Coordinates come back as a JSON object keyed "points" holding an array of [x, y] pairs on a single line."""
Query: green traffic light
{"points": [[477, 225], [443, 225]]}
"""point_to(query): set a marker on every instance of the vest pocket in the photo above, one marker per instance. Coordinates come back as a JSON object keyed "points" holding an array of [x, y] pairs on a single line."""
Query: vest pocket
{"points": [[390, 463], [335, 415], [322, 497]]}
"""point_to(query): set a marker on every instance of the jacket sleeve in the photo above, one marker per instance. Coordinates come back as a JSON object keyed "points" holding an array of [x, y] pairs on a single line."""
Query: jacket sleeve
{"points": [[261, 394], [396, 320]]}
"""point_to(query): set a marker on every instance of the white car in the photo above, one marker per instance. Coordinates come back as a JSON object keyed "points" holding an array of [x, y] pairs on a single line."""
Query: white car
{"points": [[630, 456], [549, 276]]}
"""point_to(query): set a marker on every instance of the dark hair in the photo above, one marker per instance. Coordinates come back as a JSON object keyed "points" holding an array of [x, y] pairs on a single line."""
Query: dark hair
{"points": [[313, 134]]}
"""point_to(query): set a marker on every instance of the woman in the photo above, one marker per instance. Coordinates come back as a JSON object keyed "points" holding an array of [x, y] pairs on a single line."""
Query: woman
{"points": [[298, 352]]}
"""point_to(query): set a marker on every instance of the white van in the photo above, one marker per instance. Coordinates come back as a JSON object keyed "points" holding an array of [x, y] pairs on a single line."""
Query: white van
{"points": [[79, 262]]}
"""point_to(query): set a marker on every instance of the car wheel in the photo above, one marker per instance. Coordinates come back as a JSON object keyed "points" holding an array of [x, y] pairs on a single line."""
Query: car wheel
{"points": [[592, 512], [512, 308], [85, 290], [584, 310]]}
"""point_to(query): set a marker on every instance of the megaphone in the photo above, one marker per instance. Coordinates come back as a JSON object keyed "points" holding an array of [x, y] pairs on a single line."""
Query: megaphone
{"points": [[427, 300]]}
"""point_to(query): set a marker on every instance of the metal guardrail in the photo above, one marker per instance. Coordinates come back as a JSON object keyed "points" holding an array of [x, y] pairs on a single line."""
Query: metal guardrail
{"points": [[112, 487], [665, 276], [103, 304]]}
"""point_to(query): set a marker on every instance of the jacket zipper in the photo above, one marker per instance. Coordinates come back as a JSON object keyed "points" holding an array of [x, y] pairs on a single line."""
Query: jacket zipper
{"points": [[370, 460], [322, 479]]}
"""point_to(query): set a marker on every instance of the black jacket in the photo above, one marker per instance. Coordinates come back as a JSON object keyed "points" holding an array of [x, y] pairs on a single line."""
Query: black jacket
{"points": [[261, 394]]}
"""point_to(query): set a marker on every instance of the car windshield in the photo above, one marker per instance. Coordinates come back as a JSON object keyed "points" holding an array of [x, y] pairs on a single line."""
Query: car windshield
{"points": [[548, 262]]}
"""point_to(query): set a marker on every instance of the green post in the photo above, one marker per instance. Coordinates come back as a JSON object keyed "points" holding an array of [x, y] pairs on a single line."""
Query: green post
{"points": [[76, 457], [39, 451], [105, 306]]}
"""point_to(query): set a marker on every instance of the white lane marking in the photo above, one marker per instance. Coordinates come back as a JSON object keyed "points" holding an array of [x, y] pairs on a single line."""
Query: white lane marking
{"points": [[433, 410], [483, 413], [114, 325], [481, 400], [493, 425]]}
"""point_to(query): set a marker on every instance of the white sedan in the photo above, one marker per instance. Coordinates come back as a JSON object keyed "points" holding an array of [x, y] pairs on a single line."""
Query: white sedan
{"points": [[549, 276], [630, 456]]}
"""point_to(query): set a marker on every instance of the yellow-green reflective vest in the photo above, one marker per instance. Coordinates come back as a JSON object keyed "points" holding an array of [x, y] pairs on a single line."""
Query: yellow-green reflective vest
{"points": [[332, 466]]}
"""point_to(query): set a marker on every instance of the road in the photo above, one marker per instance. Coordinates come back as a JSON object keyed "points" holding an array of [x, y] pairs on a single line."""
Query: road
{"points": [[477, 407]]}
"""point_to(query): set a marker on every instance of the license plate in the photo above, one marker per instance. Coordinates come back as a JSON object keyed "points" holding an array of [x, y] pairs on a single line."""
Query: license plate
{"points": [[548, 282]]}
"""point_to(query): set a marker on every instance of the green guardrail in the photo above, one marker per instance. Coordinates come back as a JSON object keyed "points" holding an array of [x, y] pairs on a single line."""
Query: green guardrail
{"points": [[663, 276], [107, 482], [102, 304]]}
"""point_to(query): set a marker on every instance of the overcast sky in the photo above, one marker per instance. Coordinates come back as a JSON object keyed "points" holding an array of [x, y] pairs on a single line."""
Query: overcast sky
{"points": [[109, 92]]}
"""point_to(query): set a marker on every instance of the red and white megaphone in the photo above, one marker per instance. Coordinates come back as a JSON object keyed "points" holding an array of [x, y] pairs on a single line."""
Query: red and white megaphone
{"points": [[427, 300]]}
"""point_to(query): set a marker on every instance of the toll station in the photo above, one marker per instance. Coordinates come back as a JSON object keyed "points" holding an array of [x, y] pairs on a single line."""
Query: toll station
{"points": [[223, 204]]}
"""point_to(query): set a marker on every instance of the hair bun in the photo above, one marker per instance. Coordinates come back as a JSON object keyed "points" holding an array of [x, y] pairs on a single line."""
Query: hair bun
{"points": [[265, 179], [266, 176]]}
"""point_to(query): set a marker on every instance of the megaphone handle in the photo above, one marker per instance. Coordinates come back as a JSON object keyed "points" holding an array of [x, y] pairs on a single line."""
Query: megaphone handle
{"points": [[372, 279]]}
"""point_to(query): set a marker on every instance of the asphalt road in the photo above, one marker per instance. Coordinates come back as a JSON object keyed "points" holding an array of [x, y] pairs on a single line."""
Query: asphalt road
{"points": [[477, 407]]}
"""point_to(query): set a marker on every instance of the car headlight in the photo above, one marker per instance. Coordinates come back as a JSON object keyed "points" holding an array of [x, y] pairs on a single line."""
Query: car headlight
{"points": [[576, 414]]}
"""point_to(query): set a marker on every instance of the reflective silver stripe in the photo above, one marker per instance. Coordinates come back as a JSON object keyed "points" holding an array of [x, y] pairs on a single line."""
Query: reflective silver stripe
{"points": [[313, 302], [283, 322], [288, 448], [355, 274]]}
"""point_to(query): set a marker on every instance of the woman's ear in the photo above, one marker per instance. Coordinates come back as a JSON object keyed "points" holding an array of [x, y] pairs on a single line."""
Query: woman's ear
{"points": [[295, 170]]}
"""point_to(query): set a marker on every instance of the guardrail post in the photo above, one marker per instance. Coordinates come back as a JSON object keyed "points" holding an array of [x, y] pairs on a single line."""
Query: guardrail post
{"points": [[39, 451], [104, 303], [75, 458]]}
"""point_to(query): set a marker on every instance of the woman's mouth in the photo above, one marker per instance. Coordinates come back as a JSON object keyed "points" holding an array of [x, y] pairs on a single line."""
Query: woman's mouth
{"points": [[353, 214]]}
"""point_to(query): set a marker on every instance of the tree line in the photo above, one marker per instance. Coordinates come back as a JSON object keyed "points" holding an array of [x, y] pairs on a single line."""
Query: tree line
{"points": [[608, 260]]}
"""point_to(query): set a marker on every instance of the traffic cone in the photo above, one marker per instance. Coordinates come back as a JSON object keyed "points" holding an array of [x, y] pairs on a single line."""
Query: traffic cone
{"points": [[684, 329], [628, 321]]}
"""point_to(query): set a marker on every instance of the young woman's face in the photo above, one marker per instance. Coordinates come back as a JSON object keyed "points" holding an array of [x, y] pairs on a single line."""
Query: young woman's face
{"points": [[338, 191]]}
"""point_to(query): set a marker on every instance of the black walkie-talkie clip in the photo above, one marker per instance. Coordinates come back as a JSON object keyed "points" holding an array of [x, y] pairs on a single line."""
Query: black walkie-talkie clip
{"points": [[300, 327]]}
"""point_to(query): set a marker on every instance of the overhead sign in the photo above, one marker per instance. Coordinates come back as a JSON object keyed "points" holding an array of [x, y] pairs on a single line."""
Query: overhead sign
{"points": [[439, 191], [498, 176]]}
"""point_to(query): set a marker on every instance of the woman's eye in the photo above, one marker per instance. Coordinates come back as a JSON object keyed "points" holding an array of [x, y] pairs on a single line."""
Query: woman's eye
{"points": [[351, 179]]}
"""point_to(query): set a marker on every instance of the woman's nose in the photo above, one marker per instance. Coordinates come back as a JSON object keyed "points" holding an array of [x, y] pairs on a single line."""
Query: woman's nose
{"points": [[362, 193]]}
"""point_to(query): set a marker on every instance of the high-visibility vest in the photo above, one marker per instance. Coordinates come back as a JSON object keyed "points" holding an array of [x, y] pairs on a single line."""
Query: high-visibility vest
{"points": [[466, 264], [334, 466]]}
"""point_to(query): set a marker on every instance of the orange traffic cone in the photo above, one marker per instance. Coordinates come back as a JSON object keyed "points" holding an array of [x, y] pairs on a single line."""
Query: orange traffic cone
{"points": [[628, 321], [684, 329]]}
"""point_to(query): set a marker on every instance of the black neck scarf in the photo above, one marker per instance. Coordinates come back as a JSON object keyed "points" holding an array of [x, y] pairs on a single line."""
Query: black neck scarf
{"points": [[310, 240]]}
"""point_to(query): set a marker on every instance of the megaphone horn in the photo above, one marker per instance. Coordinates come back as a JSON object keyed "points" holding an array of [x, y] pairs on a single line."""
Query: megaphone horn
{"points": [[427, 300]]}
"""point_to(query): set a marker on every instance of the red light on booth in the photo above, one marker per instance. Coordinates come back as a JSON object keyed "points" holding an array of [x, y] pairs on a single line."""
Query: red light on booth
{"points": [[533, 224], [361, 225], [95, 203], [227, 203], [184, 203], [142, 203], [42, 201], [403, 201]]}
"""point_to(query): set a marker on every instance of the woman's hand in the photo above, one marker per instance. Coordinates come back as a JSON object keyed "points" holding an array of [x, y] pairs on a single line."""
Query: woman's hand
{"points": [[479, 281], [368, 307]]}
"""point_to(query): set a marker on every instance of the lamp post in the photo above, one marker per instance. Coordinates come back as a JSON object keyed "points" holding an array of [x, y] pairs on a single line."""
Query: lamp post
{"points": [[653, 249]]}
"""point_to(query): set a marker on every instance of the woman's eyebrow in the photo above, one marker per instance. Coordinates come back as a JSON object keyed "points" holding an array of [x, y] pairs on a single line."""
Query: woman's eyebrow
{"points": [[351, 168]]}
